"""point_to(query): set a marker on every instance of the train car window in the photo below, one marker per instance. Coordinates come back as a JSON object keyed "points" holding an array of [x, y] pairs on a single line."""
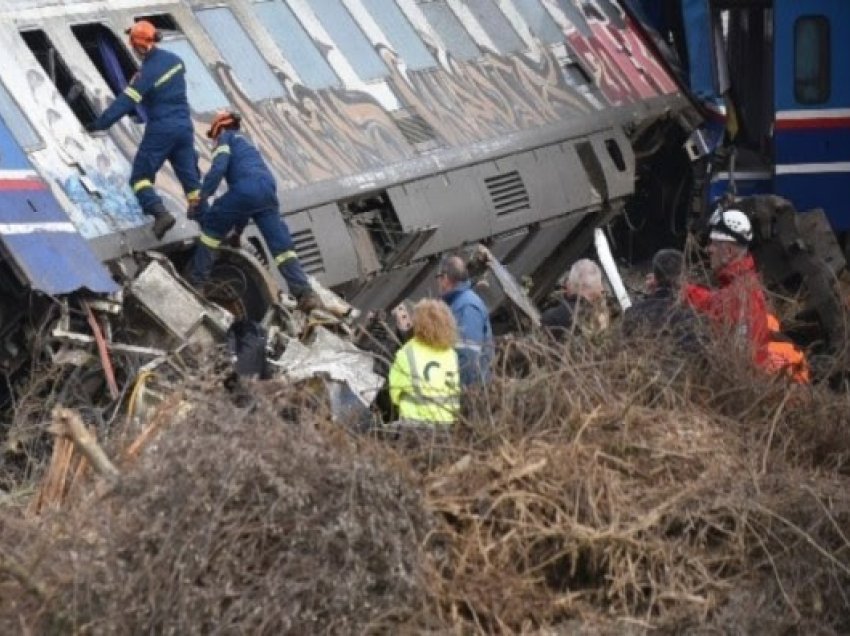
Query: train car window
{"points": [[57, 70], [205, 95], [812, 63], [576, 17], [111, 58], [296, 45], [539, 21], [236, 47], [458, 42], [17, 122], [400, 33], [496, 25], [348, 37]]}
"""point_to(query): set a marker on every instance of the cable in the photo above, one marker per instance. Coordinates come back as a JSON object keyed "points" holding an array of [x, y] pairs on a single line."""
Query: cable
{"points": [[103, 351]]}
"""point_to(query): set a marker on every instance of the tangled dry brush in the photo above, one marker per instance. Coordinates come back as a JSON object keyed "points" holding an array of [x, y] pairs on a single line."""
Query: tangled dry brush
{"points": [[597, 490]]}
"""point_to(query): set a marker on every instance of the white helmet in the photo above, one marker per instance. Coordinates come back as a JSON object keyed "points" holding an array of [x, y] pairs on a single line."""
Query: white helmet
{"points": [[730, 225]]}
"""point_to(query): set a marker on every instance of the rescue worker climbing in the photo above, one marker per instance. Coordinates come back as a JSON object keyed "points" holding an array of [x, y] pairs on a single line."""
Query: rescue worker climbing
{"points": [[251, 195], [159, 86]]}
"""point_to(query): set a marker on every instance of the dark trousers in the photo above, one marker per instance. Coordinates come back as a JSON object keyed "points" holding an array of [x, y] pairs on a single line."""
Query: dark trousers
{"points": [[256, 202], [178, 147]]}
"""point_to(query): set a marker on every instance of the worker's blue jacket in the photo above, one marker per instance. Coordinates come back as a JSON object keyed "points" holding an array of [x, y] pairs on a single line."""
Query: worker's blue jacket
{"points": [[475, 335], [236, 160], [159, 86]]}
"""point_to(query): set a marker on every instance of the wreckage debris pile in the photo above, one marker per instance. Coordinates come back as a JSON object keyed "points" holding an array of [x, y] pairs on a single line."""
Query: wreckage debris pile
{"points": [[592, 490]]}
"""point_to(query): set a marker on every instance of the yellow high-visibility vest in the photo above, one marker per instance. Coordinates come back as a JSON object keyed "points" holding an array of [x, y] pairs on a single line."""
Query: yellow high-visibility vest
{"points": [[425, 383]]}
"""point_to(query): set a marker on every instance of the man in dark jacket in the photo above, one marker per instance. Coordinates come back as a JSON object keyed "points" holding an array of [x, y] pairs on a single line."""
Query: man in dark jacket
{"points": [[582, 310], [663, 312], [475, 335], [159, 86], [251, 195]]}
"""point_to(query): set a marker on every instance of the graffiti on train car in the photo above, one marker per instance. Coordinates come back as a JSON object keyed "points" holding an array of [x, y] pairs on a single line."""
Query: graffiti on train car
{"points": [[475, 101], [95, 183], [601, 36], [317, 135]]}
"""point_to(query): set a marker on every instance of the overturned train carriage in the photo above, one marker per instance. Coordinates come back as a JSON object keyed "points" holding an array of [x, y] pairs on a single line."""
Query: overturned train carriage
{"points": [[397, 130]]}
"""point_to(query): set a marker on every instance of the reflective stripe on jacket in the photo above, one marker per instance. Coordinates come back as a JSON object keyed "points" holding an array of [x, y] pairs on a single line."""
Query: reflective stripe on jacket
{"points": [[159, 86], [425, 384]]}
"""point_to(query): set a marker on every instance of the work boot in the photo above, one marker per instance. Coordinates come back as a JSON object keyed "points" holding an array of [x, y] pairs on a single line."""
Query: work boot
{"points": [[308, 301], [162, 221]]}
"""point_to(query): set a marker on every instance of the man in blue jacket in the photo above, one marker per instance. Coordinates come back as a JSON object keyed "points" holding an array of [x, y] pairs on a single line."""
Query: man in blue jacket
{"points": [[251, 195], [159, 86], [475, 335]]}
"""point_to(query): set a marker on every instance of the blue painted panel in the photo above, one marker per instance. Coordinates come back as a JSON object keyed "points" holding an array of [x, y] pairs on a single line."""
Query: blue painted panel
{"points": [[823, 190], [58, 262], [701, 74], [813, 139], [818, 145], [51, 261], [30, 206]]}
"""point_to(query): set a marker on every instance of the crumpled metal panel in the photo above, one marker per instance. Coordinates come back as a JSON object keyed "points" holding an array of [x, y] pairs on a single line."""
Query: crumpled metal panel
{"points": [[174, 305], [509, 285], [332, 357]]}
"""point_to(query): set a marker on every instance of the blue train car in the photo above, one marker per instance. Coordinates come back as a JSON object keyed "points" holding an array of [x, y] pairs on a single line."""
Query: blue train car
{"points": [[773, 77]]}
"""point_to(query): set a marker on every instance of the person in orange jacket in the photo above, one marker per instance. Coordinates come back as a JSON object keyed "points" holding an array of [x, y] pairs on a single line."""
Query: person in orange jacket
{"points": [[737, 307]]}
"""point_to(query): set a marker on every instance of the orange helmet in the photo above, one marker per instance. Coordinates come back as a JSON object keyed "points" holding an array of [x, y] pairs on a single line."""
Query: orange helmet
{"points": [[222, 120], [143, 34]]}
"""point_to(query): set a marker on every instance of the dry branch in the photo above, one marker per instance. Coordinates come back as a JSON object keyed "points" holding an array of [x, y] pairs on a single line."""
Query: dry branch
{"points": [[67, 423]]}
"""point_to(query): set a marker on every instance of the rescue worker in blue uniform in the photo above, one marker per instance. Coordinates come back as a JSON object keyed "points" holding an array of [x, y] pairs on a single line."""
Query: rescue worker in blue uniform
{"points": [[251, 195], [159, 86]]}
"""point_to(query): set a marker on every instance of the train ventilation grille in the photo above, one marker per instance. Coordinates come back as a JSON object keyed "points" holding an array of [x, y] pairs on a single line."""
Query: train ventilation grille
{"points": [[508, 193], [418, 132], [308, 251]]}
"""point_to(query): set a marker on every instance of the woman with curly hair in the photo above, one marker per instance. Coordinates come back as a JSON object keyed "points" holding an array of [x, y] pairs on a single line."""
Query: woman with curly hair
{"points": [[424, 380]]}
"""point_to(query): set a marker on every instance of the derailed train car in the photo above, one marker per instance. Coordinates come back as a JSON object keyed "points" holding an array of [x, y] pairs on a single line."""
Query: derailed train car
{"points": [[397, 130]]}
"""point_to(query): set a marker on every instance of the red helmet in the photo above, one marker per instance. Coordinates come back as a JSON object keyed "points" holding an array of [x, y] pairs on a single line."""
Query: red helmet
{"points": [[143, 34], [222, 120]]}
